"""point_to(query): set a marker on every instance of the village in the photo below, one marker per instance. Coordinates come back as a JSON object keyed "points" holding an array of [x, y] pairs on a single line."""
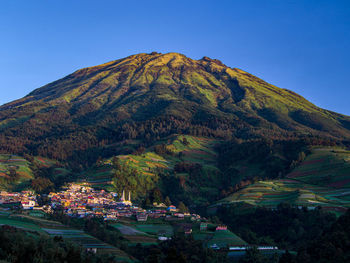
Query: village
{"points": [[81, 200]]}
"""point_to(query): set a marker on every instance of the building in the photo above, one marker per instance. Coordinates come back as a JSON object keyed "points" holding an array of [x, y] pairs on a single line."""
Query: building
{"points": [[172, 208], [141, 217], [29, 204], [221, 227], [125, 201]]}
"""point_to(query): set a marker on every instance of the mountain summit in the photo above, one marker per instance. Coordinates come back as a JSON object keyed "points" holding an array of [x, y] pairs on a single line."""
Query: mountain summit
{"points": [[149, 96]]}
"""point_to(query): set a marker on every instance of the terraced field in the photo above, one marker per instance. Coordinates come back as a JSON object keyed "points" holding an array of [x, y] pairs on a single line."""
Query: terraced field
{"points": [[21, 166], [198, 150], [325, 167], [100, 176], [147, 234], [16, 172], [54, 228], [321, 180]]}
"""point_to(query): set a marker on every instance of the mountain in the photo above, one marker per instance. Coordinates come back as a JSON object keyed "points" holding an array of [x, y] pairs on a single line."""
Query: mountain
{"points": [[150, 96], [193, 132]]}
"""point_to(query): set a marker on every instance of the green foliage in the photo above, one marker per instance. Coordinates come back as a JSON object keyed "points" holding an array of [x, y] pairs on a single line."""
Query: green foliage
{"points": [[286, 226], [78, 118], [129, 179], [41, 184], [253, 255], [179, 249], [18, 246], [167, 201], [182, 208]]}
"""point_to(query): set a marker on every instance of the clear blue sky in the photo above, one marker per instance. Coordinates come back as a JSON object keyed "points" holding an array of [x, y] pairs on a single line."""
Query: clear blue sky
{"points": [[300, 45]]}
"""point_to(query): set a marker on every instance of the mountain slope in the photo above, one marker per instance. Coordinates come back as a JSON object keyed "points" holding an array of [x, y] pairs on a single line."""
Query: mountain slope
{"points": [[150, 96]]}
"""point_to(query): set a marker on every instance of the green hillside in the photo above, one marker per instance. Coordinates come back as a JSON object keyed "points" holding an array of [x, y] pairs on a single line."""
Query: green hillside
{"points": [[52, 228], [147, 97], [176, 157], [14, 170], [238, 128], [320, 180], [325, 167], [17, 173]]}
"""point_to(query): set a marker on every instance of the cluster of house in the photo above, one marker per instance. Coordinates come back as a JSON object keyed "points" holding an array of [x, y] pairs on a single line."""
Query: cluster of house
{"points": [[24, 199], [81, 200]]}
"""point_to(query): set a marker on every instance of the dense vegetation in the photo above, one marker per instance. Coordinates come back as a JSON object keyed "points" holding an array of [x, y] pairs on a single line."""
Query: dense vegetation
{"points": [[287, 227], [148, 124], [150, 96], [316, 236], [180, 249], [19, 246]]}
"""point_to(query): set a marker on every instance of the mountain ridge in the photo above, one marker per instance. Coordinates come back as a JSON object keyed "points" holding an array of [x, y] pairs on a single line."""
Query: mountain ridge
{"points": [[150, 96]]}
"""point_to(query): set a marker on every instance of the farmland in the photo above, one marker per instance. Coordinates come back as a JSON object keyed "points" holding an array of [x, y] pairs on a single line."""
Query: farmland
{"points": [[144, 232], [14, 170], [53, 228], [321, 180], [326, 167], [149, 163], [198, 150]]}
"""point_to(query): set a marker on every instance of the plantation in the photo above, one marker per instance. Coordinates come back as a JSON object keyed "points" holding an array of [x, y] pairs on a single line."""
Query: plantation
{"points": [[43, 226], [305, 185], [329, 167], [14, 170]]}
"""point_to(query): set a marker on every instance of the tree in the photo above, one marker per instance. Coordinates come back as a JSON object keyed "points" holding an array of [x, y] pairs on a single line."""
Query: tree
{"points": [[148, 202], [167, 201], [116, 163], [13, 172], [157, 196], [253, 255], [41, 184], [185, 141], [182, 208], [140, 150]]}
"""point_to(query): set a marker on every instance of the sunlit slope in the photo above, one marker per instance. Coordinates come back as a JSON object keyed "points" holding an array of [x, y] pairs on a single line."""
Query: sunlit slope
{"points": [[151, 96], [16, 172], [321, 180], [199, 150]]}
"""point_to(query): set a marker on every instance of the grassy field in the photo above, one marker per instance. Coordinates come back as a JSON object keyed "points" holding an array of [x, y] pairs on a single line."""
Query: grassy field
{"points": [[223, 238], [146, 234], [320, 180], [164, 230]]}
